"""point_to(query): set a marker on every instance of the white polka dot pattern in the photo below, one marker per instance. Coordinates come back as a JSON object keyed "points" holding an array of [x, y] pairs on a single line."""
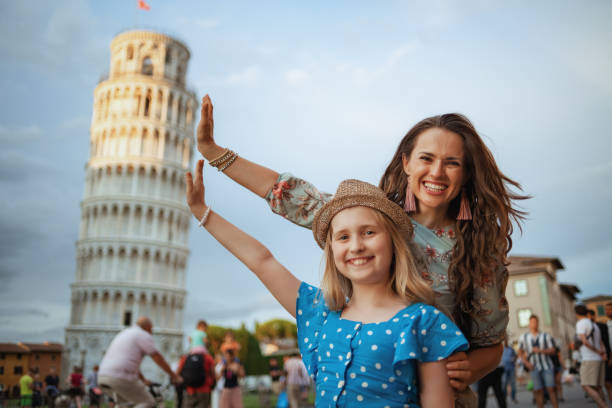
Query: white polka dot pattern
{"points": [[374, 364]]}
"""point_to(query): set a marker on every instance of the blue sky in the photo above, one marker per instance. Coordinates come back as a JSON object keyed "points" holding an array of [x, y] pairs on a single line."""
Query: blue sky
{"points": [[324, 90]]}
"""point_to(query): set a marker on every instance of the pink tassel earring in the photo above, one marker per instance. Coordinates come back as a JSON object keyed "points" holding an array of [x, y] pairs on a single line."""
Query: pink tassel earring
{"points": [[409, 201], [464, 208]]}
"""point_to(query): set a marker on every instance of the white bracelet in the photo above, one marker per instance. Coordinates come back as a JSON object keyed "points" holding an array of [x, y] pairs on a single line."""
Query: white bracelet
{"points": [[204, 217]]}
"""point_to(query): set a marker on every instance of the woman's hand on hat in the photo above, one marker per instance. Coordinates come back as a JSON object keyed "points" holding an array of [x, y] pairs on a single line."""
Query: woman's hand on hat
{"points": [[195, 191], [205, 130], [459, 371]]}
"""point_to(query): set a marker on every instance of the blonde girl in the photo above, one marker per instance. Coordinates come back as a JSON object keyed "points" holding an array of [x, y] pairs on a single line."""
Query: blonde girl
{"points": [[367, 337]]}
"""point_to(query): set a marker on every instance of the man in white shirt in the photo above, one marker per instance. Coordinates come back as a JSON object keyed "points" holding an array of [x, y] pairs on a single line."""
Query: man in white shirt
{"points": [[120, 366], [592, 369]]}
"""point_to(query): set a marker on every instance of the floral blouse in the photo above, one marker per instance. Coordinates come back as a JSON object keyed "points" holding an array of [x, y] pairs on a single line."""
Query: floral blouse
{"points": [[298, 201]]}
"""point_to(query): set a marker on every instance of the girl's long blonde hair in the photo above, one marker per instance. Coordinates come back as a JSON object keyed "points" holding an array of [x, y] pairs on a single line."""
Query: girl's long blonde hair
{"points": [[404, 278]]}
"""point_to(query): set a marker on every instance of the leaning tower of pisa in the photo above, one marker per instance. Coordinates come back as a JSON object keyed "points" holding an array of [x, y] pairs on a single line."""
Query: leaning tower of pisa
{"points": [[132, 249]]}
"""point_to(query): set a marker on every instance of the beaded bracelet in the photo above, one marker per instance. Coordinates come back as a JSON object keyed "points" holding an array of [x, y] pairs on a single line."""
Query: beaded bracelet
{"points": [[228, 163], [204, 217], [219, 160]]}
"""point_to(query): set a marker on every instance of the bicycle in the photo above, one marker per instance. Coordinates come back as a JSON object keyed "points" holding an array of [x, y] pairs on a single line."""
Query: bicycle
{"points": [[156, 390]]}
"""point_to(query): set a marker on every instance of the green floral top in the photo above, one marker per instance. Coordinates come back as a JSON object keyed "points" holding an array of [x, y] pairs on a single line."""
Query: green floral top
{"points": [[298, 201]]}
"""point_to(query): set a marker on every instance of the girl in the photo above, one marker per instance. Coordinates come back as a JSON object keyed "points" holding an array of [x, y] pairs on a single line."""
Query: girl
{"points": [[366, 338], [461, 209]]}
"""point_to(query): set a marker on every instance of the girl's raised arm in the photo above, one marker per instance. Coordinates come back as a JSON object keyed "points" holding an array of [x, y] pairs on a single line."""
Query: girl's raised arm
{"points": [[435, 389], [279, 281]]}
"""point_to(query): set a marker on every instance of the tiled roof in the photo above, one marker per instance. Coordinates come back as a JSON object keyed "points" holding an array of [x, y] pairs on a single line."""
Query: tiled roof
{"points": [[30, 347]]}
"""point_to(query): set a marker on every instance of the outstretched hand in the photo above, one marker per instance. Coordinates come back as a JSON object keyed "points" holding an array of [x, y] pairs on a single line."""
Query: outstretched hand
{"points": [[206, 127], [195, 191]]}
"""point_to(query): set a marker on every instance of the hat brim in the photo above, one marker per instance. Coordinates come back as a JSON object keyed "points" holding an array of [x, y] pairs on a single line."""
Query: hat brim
{"points": [[323, 217]]}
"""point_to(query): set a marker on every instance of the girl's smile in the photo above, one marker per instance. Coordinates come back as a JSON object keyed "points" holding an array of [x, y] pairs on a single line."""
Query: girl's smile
{"points": [[361, 246]]}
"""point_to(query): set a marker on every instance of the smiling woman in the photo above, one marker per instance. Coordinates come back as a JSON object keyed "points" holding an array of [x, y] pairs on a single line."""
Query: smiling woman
{"points": [[462, 210]]}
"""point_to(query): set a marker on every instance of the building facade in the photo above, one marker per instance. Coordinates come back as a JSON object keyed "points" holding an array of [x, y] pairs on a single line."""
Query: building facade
{"points": [[533, 288], [16, 358], [133, 240], [598, 304]]}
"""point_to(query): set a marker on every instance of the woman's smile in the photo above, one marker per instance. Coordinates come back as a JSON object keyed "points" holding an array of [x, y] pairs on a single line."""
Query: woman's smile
{"points": [[434, 188]]}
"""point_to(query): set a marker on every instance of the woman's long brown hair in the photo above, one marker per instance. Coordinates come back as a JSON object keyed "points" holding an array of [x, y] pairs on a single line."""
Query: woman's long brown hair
{"points": [[484, 241]]}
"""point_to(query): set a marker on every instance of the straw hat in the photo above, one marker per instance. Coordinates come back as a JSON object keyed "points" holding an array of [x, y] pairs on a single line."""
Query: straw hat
{"points": [[354, 193]]}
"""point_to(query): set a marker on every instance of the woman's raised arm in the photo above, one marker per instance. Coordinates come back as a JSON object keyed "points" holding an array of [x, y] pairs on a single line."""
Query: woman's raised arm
{"points": [[258, 179], [279, 281], [290, 197]]}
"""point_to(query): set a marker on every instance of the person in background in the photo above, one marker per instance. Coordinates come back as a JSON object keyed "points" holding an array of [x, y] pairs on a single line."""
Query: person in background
{"points": [[120, 367], [75, 380], [216, 393], [92, 387], [198, 339], [179, 389], [557, 360], [509, 375], [535, 349], [232, 371], [297, 377], [493, 379], [37, 387], [605, 341], [230, 343], [197, 395], [609, 350], [593, 356], [275, 375], [26, 384], [52, 381]]}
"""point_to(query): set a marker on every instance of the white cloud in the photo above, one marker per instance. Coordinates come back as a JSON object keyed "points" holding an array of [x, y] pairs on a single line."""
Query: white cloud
{"points": [[20, 135], [29, 319], [363, 76], [199, 22], [206, 23], [296, 76], [267, 50], [79, 123], [246, 76], [48, 36]]}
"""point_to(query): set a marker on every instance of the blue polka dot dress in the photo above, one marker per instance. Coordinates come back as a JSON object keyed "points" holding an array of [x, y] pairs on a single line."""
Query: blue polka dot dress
{"points": [[358, 364]]}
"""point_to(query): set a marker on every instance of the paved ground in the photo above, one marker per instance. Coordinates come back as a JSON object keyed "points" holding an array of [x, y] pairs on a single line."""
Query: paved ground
{"points": [[573, 394]]}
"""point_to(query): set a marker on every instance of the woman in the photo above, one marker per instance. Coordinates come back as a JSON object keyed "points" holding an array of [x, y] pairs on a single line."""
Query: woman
{"points": [[461, 208], [232, 371]]}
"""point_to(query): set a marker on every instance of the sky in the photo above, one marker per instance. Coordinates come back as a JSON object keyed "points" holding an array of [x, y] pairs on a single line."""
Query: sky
{"points": [[324, 90]]}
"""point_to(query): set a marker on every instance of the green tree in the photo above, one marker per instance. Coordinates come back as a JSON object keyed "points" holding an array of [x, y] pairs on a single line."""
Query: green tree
{"points": [[275, 329], [249, 354]]}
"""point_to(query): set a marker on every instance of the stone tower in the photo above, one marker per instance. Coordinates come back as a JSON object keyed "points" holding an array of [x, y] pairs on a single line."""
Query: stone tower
{"points": [[132, 249]]}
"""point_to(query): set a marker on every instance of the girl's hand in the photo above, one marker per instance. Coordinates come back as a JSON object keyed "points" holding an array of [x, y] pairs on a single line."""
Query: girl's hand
{"points": [[459, 371], [206, 141], [195, 191]]}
